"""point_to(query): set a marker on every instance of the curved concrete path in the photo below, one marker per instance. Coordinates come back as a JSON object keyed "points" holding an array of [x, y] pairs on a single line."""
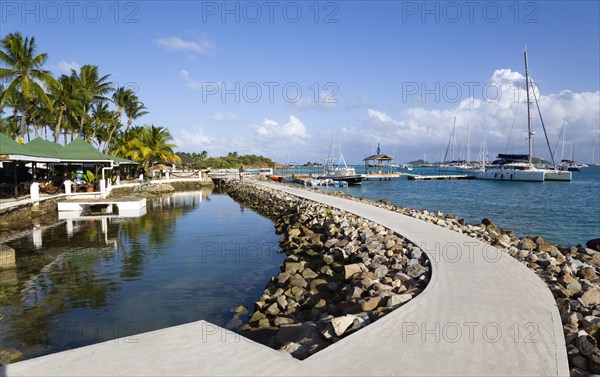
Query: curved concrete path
{"points": [[483, 313]]}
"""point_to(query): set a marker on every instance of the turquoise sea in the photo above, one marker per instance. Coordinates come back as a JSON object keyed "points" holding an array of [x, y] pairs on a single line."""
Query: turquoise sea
{"points": [[566, 213]]}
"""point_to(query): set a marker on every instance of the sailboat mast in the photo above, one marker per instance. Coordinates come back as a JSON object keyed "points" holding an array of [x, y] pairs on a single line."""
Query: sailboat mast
{"points": [[562, 150], [452, 141], [468, 146], [529, 132]]}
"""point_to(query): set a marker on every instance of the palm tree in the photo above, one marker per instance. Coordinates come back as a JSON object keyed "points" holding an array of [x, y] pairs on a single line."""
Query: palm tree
{"points": [[91, 88], [122, 99], [102, 119], [153, 145], [134, 109], [64, 97], [25, 70], [126, 141]]}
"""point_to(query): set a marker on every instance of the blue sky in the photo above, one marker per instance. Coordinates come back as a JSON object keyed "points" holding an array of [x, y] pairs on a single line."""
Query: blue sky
{"points": [[394, 72]]}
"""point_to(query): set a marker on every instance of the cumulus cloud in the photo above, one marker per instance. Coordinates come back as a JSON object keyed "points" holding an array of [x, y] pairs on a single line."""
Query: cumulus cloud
{"points": [[176, 44], [500, 117], [293, 131], [192, 140], [224, 117]]}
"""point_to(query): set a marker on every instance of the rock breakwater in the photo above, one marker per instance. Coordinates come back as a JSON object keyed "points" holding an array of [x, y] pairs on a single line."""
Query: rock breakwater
{"points": [[341, 273], [571, 273]]}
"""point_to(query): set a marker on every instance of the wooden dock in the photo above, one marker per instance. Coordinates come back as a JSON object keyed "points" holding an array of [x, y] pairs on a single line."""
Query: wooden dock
{"points": [[416, 177]]}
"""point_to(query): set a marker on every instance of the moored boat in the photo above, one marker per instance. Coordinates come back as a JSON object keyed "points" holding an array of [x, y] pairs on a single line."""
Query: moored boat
{"points": [[519, 167]]}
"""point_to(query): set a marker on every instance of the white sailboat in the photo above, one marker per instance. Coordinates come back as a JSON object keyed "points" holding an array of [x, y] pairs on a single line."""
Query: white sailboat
{"points": [[519, 167]]}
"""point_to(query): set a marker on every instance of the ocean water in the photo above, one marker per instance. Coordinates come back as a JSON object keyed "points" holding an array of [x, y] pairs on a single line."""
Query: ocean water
{"points": [[566, 213], [193, 256]]}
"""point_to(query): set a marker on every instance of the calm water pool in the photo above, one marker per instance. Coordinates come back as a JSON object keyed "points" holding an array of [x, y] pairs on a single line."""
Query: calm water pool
{"points": [[192, 256]]}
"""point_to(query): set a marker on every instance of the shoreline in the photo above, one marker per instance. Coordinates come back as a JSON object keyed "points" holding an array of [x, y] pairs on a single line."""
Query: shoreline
{"points": [[570, 273], [342, 273]]}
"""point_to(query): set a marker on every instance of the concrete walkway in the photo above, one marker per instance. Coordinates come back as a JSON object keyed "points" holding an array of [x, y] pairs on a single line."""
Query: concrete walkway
{"points": [[483, 313]]}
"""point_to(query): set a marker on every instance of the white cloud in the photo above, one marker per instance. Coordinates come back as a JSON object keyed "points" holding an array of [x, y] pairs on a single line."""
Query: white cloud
{"points": [[193, 140], [293, 131], [500, 115], [227, 117], [177, 44], [197, 85], [65, 66]]}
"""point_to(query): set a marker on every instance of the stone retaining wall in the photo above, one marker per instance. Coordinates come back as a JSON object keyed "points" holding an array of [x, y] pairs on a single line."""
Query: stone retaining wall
{"points": [[341, 273], [572, 274]]}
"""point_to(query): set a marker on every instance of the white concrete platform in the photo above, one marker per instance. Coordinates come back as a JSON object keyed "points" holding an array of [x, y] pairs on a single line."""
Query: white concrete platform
{"points": [[126, 206], [482, 314]]}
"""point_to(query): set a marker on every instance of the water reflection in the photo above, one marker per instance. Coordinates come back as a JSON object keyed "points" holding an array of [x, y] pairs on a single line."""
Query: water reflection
{"points": [[192, 256]]}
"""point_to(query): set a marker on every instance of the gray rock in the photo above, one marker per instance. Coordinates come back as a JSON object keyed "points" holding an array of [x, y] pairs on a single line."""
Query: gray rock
{"points": [[279, 321], [307, 273], [585, 343], [580, 362], [415, 270], [257, 316], [351, 269], [298, 281], [590, 297], [273, 309], [330, 242], [340, 324], [396, 300], [381, 271]]}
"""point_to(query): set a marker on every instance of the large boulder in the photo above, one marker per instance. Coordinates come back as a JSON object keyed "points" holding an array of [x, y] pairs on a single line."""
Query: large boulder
{"points": [[593, 244]]}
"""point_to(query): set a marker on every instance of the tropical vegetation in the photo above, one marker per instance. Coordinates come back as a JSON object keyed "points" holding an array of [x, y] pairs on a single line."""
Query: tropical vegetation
{"points": [[86, 104], [232, 161], [83, 104]]}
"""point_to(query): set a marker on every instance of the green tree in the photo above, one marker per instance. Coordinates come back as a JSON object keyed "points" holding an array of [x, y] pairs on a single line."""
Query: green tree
{"points": [[134, 109], [64, 97], [24, 69], [153, 145], [91, 88], [122, 98]]}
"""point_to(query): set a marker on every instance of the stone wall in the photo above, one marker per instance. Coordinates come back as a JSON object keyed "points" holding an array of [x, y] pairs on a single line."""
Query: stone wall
{"points": [[341, 273]]}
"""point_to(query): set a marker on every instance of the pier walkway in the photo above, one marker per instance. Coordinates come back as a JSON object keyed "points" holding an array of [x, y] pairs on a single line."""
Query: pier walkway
{"points": [[483, 313]]}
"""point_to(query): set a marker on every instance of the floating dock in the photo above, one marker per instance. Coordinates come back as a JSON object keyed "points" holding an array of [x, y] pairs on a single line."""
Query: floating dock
{"points": [[416, 177], [381, 177]]}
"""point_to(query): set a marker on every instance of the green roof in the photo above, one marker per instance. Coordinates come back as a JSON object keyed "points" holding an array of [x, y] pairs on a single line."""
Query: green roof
{"points": [[80, 150], [9, 146], [44, 148], [121, 160], [46, 151]]}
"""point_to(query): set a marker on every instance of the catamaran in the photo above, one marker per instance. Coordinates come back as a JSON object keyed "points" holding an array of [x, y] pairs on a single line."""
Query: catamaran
{"points": [[519, 167]]}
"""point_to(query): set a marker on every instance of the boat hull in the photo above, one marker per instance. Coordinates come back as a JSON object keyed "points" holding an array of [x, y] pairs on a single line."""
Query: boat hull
{"points": [[511, 175], [558, 175], [350, 179]]}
